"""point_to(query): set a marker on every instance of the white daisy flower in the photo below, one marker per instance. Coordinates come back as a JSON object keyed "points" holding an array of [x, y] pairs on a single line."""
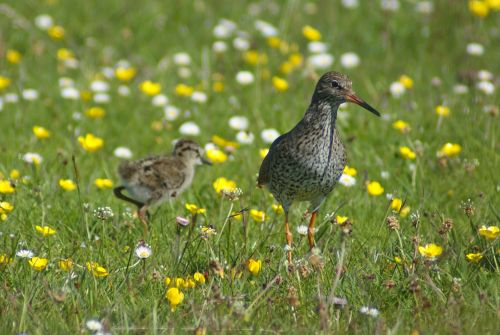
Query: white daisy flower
{"points": [[321, 61], [44, 21], [302, 229], [189, 128], [349, 60], [66, 82], [101, 98], [94, 325], [350, 3], [222, 32], [32, 158], [11, 98], [70, 93], [397, 89], [317, 47], [475, 49], [159, 100], [424, 7], [199, 97], [269, 135], [486, 87], [171, 112], [1, 104], [485, 75], [30, 94], [241, 44], [460, 89], [219, 47], [184, 72], [25, 253], [245, 137], [123, 152], [182, 59], [370, 311], [143, 251], [238, 122], [244, 77], [99, 86], [108, 72], [265, 28], [347, 180], [123, 90], [389, 5], [385, 174]]}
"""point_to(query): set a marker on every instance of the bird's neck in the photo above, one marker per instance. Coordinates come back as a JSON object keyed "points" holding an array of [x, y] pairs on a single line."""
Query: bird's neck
{"points": [[321, 114]]}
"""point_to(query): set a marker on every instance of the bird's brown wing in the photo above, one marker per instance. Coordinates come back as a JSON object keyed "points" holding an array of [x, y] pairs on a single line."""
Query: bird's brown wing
{"points": [[165, 173], [265, 167]]}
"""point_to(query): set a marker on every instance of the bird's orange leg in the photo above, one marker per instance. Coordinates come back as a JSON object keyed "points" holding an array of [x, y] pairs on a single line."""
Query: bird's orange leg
{"points": [[288, 235], [310, 230]]}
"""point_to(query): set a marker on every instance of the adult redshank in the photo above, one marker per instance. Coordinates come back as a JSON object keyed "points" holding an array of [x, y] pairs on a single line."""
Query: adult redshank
{"points": [[306, 163]]}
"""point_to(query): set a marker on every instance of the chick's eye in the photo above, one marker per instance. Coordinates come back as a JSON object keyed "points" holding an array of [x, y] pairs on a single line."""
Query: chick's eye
{"points": [[335, 84]]}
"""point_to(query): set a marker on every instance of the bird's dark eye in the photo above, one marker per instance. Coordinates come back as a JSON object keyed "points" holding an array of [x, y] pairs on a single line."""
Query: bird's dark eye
{"points": [[335, 84]]}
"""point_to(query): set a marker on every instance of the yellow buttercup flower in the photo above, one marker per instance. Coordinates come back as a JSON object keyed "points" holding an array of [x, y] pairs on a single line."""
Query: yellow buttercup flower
{"points": [[193, 209], [218, 86], [15, 174], [45, 230], [64, 54], [236, 215], [340, 219], [402, 126], [253, 57], [95, 112], [6, 207], [430, 251], [6, 187], [125, 73], [150, 88], [184, 90], [67, 184], [56, 32], [491, 232], [405, 211], [174, 297], [406, 81], [479, 8], [277, 208], [216, 156], [41, 132], [263, 152], [311, 33], [90, 142], [374, 188], [280, 84], [4, 259], [407, 153], [274, 42], [103, 183], [449, 150], [4, 82], [398, 259], [493, 4], [474, 257], [257, 215], [38, 263], [199, 277], [96, 269], [254, 266], [222, 183], [13, 56], [442, 110], [222, 142], [65, 264], [350, 171]]}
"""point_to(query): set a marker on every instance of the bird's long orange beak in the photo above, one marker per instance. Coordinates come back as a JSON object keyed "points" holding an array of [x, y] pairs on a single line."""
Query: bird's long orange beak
{"points": [[352, 97]]}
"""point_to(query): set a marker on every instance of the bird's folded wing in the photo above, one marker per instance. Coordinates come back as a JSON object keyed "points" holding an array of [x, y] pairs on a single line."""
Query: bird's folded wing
{"points": [[163, 174]]}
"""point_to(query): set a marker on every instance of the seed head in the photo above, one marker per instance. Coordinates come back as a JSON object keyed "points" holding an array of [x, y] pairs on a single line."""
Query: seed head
{"points": [[392, 222]]}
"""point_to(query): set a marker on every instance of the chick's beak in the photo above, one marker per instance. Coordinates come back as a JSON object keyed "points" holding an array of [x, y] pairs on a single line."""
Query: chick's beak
{"points": [[205, 161], [352, 97]]}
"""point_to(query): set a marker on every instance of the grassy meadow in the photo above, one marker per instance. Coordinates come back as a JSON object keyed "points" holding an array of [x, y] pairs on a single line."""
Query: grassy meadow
{"points": [[407, 243]]}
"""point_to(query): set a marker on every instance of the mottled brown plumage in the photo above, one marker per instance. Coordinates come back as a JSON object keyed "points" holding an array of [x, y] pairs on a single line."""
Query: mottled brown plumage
{"points": [[153, 180], [306, 163]]}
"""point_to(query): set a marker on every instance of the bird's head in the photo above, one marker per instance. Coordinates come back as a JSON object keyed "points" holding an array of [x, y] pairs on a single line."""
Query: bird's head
{"points": [[336, 87], [191, 152]]}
